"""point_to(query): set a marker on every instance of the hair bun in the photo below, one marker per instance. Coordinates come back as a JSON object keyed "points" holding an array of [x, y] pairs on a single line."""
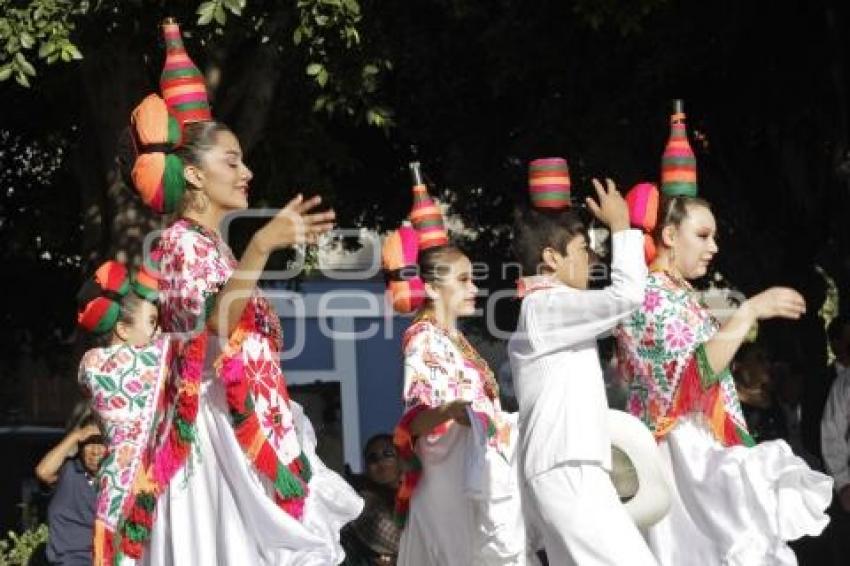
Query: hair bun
{"points": [[642, 200], [157, 172], [99, 297], [398, 257]]}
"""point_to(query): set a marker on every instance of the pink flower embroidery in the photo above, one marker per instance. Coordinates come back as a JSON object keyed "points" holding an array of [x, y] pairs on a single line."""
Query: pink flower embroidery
{"points": [[273, 422], [678, 335], [651, 301]]}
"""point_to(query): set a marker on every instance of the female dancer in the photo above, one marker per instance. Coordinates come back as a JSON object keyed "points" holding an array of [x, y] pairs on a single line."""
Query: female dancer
{"points": [[733, 503], [239, 478], [459, 493]]}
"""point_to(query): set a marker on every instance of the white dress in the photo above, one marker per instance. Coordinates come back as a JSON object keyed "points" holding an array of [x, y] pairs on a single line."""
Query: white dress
{"points": [[734, 502], [222, 508], [465, 509]]}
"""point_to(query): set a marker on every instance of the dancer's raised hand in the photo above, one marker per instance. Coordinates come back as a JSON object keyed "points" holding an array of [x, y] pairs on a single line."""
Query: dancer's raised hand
{"points": [[777, 302], [612, 209], [295, 223]]}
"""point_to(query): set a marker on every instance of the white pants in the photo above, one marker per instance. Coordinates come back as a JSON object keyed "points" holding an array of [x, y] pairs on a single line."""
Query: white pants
{"points": [[581, 519]]}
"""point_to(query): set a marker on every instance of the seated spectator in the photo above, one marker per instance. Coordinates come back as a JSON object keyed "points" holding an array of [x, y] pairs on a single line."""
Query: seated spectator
{"points": [[763, 414], [71, 469], [835, 438], [373, 538], [788, 379]]}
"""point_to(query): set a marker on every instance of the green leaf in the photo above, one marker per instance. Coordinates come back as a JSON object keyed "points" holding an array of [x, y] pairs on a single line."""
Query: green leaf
{"points": [[314, 69], [46, 49], [22, 80], [322, 77], [149, 359], [235, 6], [105, 381], [27, 68], [296, 36], [5, 73], [75, 53], [370, 70], [26, 40], [220, 15], [205, 11]]}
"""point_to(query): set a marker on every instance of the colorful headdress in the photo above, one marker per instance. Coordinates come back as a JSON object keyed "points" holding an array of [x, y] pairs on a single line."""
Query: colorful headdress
{"points": [[549, 183], [399, 256], [643, 214], [100, 297], [157, 123], [182, 84], [678, 164], [425, 215]]}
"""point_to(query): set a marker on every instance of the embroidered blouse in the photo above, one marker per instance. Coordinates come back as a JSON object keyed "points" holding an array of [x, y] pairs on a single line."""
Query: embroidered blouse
{"points": [[195, 265], [441, 366], [661, 348]]}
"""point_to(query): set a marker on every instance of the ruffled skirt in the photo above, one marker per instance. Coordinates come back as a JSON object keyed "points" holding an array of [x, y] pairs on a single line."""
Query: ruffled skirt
{"points": [[218, 510], [735, 506]]}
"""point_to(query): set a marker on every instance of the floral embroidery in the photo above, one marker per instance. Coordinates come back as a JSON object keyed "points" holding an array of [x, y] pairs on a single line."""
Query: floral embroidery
{"points": [[651, 301], [195, 265], [125, 385], [441, 367], [659, 349]]}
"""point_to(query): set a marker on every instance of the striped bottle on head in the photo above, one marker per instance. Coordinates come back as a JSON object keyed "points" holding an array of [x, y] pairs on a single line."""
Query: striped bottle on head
{"points": [[678, 164], [425, 214]]}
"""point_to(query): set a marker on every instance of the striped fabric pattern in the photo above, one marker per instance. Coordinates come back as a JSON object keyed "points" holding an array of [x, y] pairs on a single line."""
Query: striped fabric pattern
{"points": [[678, 164], [427, 219], [181, 83], [549, 183]]}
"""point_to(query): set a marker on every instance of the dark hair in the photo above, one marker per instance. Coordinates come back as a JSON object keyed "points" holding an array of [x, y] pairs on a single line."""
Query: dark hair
{"points": [[388, 438], [535, 230], [433, 262], [127, 308], [836, 327], [672, 211], [198, 139]]}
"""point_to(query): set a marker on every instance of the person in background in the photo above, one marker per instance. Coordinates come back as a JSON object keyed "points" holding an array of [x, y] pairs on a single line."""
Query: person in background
{"points": [[373, 538], [71, 469], [764, 417], [835, 438]]}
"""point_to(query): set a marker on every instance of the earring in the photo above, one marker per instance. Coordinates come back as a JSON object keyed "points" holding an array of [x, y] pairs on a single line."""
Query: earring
{"points": [[200, 201]]}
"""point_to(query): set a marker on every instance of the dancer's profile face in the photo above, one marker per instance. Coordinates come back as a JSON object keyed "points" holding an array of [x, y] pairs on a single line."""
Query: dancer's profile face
{"points": [[571, 266], [143, 326], [224, 177], [454, 289], [693, 242]]}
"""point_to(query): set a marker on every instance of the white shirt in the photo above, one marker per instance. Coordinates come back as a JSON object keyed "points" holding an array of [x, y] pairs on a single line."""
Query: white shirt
{"points": [[835, 428], [558, 380]]}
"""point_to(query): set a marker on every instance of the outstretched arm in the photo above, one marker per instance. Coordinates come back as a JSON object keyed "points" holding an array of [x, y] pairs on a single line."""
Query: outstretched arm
{"points": [[47, 469]]}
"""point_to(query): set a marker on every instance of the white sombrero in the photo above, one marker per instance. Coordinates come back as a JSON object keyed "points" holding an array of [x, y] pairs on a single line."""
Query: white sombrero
{"points": [[637, 473]]}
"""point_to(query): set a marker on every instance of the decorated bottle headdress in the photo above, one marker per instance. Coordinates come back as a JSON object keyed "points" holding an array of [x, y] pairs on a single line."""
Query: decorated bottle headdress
{"points": [[549, 183], [678, 179], [157, 124], [401, 248], [678, 164], [100, 297]]}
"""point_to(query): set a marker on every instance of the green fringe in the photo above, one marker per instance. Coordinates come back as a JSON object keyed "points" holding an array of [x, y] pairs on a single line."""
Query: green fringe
{"points": [[185, 431], [707, 377], [306, 468], [146, 501], [136, 533], [746, 439], [286, 484]]}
